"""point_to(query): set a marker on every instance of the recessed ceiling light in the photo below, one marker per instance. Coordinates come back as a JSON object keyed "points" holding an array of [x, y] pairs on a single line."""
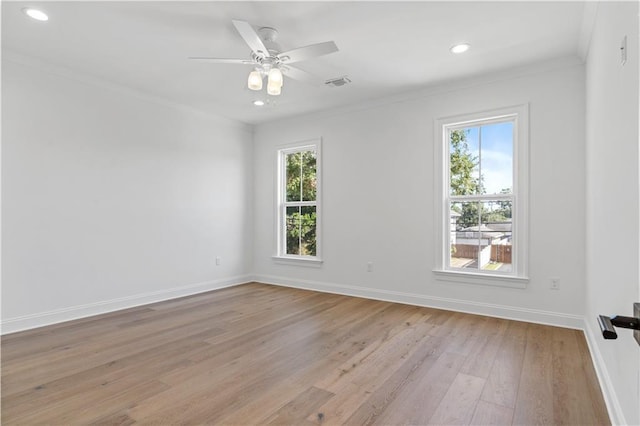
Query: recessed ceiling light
{"points": [[36, 14], [258, 103], [460, 48]]}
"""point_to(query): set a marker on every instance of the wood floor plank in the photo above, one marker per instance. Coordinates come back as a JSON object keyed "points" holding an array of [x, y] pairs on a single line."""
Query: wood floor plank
{"points": [[570, 406], [591, 394], [534, 403], [298, 409], [420, 397], [489, 414], [486, 345], [261, 354], [503, 379], [459, 403], [119, 418], [361, 375], [415, 367]]}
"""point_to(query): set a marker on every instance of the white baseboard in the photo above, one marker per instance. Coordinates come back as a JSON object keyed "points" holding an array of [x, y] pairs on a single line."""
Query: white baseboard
{"points": [[616, 415], [458, 305], [12, 325]]}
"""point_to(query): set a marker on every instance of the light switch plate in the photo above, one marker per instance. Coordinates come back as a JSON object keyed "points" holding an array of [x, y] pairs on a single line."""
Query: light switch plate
{"points": [[636, 314], [623, 51]]}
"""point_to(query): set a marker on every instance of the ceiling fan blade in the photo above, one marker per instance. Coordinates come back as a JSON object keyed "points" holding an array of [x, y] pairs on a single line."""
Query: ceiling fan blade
{"points": [[308, 52], [251, 37], [222, 60], [298, 74]]}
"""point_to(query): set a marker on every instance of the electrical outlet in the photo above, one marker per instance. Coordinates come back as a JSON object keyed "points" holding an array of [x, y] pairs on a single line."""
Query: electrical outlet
{"points": [[218, 260], [369, 266], [555, 284]]}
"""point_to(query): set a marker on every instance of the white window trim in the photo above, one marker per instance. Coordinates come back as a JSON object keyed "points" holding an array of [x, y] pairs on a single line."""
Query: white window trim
{"points": [[280, 255], [519, 277]]}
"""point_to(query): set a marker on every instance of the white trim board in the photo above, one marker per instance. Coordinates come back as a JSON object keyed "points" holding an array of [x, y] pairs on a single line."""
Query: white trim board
{"points": [[12, 325], [616, 415], [478, 308]]}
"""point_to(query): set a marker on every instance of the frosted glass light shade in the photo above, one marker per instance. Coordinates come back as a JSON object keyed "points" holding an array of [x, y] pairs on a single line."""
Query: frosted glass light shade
{"points": [[275, 77], [274, 89], [255, 80]]}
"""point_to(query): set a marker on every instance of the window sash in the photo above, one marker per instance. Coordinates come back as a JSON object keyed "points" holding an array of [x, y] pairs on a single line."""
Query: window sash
{"points": [[449, 231]]}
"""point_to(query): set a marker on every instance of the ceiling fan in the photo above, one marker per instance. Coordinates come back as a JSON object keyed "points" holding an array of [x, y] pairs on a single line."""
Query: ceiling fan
{"points": [[269, 61]]}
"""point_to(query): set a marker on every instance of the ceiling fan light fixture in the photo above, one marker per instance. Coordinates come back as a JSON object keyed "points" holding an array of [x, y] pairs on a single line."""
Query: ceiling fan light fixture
{"points": [[268, 60], [460, 48], [254, 82], [36, 14]]}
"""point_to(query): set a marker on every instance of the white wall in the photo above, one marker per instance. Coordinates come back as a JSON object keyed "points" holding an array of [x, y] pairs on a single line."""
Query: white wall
{"points": [[613, 191], [112, 199], [378, 201]]}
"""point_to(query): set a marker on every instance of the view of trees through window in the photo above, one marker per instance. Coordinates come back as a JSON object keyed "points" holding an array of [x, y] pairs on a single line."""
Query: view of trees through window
{"points": [[481, 196], [300, 203]]}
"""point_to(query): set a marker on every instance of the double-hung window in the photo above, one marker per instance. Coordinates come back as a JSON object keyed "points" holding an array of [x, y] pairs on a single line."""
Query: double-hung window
{"points": [[483, 197], [298, 202]]}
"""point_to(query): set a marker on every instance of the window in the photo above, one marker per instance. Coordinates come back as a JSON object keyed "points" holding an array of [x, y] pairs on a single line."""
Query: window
{"points": [[298, 202], [483, 175]]}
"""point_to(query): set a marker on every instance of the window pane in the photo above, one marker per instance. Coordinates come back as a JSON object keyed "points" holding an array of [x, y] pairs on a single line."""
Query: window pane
{"points": [[301, 230], [481, 235], [309, 176], [464, 235], [308, 231], [496, 158], [293, 230], [293, 164], [497, 236], [464, 157]]}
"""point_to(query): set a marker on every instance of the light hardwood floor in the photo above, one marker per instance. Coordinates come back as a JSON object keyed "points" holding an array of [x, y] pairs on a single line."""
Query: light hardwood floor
{"points": [[258, 354]]}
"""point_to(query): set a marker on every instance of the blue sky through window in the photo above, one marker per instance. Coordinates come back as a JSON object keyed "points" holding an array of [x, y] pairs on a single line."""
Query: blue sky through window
{"points": [[495, 154]]}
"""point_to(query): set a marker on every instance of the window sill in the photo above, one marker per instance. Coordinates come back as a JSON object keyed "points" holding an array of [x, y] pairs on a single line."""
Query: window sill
{"points": [[298, 261], [481, 279]]}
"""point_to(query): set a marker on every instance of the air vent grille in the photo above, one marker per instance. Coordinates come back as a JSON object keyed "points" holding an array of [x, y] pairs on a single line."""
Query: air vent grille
{"points": [[337, 82]]}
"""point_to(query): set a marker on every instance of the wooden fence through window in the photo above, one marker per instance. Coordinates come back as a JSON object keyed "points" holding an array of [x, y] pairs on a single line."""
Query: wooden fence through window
{"points": [[499, 253]]}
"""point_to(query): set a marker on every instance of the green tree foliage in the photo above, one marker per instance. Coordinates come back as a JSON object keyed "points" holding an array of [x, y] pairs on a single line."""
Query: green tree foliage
{"points": [[505, 207], [301, 185], [463, 180], [301, 231], [463, 164]]}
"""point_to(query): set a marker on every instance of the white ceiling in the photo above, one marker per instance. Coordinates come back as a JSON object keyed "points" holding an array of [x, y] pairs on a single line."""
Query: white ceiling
{"points": [[385, 47]]}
